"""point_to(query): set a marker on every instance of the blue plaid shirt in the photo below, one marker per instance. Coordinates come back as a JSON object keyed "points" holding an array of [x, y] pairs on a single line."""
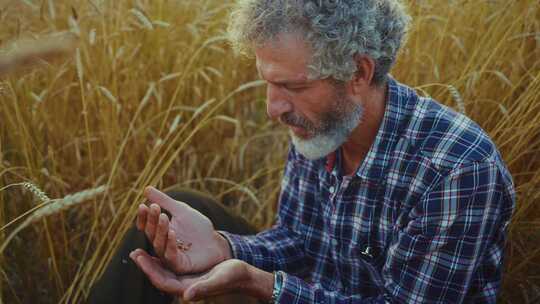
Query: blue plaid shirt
{"points": [[422, 220]]}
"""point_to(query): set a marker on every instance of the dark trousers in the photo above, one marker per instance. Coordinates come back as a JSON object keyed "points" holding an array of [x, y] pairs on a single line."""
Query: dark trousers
{"points": [[123, 282]]}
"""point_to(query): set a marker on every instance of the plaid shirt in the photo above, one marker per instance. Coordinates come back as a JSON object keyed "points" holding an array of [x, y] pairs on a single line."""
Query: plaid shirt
{"points": [[422, 220]]}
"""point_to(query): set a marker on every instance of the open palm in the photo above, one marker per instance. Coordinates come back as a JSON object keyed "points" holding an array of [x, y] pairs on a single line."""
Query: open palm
{"points": [[187, 243], [225, 277]]}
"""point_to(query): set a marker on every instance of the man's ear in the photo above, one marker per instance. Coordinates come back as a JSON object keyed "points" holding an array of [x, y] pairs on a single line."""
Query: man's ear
{"points": [[365, 73]]}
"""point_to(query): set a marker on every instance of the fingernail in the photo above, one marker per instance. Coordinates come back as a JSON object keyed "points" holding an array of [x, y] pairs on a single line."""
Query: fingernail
{"points": [[190, 295], [147, 189]]}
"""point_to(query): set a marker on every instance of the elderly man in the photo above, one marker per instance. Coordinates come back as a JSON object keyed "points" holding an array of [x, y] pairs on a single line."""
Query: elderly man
{"points": [[386, 197]]}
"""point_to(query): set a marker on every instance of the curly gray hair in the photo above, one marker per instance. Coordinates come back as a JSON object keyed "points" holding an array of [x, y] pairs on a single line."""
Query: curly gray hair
{"points": [[336, 31]]}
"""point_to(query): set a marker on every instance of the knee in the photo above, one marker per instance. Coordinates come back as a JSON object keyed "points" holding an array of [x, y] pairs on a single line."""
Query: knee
{"points": [[197, 200], [212, 209]]}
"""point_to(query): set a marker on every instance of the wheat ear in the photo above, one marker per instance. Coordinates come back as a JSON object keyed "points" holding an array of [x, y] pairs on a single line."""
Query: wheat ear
{"points": [[457, 98], [51, 207]]}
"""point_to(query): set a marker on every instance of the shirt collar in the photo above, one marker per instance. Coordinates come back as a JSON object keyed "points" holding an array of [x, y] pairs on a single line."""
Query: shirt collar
{"points": [[399, 104]]}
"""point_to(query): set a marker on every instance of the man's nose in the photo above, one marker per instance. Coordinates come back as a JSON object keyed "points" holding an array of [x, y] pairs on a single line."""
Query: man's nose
{"points": [[277, 102]]}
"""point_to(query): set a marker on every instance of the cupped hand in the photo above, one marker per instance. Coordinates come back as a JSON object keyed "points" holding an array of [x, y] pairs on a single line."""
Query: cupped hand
{"points": [[226, 277], [187, 243], [160, 276]]}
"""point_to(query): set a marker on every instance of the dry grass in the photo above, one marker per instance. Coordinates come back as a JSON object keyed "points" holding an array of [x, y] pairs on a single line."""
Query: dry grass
{"points": [[46, 208], [24, 53], [152, 96]]}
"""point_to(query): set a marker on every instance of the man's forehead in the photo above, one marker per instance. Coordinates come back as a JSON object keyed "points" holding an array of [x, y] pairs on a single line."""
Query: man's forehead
{"points": [[278, 73], [285, 56]]}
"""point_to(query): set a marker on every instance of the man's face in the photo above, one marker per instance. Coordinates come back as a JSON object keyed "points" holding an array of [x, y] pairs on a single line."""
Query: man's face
{"points": [[319, 114]]}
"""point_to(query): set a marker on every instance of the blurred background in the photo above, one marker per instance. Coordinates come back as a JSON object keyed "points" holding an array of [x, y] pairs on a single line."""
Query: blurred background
{"points": [[151, 94]]}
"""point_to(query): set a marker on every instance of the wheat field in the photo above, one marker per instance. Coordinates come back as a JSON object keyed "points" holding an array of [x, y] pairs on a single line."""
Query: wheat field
{"points": [[149, 93]]}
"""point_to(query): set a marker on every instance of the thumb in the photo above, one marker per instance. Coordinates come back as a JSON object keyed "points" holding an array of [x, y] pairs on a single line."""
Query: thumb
{"points": [[199, 290], [163, 200]]}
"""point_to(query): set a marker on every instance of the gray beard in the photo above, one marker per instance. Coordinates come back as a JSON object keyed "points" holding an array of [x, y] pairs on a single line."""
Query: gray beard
{"points": [[331, 138]]}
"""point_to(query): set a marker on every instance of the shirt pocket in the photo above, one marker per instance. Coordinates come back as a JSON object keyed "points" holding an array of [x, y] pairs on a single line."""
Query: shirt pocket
{"points": [[360, 267]]}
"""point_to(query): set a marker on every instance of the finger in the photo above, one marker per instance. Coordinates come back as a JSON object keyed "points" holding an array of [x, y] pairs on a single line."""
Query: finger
{"points": [[141, 217], [203, 289], [191, 293], [172, 256], [151, 222], [163, 200], [138, 252], [160, 277], [188, 280], [162, 231], [135, 253]]}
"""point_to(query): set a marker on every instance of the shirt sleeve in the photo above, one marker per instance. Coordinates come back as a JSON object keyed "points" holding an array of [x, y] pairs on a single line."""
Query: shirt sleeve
{"points": [[273, 249], [452, 245], [278, 248]]}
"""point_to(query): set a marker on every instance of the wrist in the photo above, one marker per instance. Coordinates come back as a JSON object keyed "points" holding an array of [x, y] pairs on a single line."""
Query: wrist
{"points": [[224, 248], [260, 283], [278, 286]]}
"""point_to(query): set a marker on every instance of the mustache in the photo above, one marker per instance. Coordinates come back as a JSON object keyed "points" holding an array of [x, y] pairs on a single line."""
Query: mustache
{"points": [[295, 121]]}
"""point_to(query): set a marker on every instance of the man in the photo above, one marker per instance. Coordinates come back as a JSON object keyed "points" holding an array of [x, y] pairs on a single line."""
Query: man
{"points": [[386, 196]]}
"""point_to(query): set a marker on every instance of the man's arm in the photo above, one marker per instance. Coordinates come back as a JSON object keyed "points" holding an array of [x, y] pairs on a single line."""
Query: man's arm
{"points": [[451, 248], [282, 246], [450, 251], [273, 249], [277, 248]]}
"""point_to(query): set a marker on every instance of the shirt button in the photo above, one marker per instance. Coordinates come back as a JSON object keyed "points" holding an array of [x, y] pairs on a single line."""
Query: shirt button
{"points": [[332, 189]]}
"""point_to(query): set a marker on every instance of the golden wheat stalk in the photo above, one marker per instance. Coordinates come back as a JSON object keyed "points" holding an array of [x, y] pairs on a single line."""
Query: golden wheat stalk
{"points": [[25, 53], [49, 207], [40, 194]]}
